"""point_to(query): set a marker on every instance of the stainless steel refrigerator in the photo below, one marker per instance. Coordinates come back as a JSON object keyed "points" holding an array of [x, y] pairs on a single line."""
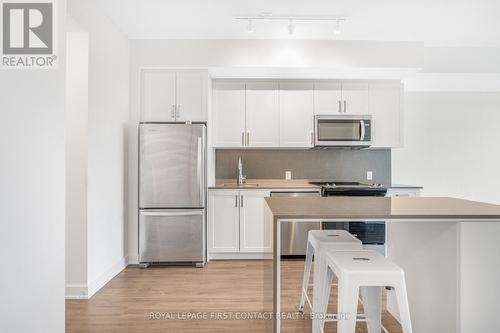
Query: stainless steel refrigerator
{"points": [[172, 193]]}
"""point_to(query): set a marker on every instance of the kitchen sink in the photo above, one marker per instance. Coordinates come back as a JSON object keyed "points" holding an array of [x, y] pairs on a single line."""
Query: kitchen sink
{"points": [[242, 185]]}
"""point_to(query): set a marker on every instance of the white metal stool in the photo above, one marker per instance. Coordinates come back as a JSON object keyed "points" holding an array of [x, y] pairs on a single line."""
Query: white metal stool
{"points": [[370, 272], [317, 242]]}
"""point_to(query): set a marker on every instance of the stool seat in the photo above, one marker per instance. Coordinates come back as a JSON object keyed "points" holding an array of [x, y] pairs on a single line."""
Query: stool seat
{"points": [[331, 237], [362, 262]]}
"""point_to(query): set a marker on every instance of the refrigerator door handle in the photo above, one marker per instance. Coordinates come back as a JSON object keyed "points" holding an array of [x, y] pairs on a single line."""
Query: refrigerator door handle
{"points": [[190, 213], [199, 170]]}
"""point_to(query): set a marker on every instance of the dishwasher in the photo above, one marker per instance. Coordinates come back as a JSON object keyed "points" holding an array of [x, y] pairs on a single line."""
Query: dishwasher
{"points": [[294, 234]]}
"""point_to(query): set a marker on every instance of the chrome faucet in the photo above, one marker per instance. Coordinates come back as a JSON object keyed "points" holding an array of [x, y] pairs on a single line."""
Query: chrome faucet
{"points": [[241, 178]]}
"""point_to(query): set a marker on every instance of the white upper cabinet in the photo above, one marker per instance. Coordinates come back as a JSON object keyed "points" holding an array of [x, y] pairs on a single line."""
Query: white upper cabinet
{"points": [[172, 95], [262, 114], [192, 90], [255, 231], [340, 97], [386, 110], [355, 98], [228, 114], [158, 95], [327, 97], [296, 114], [265, 113]]}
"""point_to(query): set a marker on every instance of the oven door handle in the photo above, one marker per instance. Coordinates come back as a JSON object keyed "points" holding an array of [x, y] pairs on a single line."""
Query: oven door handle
{"points": [[362, 130]]}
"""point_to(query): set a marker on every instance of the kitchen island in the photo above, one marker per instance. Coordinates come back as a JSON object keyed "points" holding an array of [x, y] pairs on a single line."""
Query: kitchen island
{"points": [[450, 254]]}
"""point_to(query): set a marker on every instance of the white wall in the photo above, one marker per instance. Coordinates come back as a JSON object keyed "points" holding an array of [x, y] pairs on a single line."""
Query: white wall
{"points": [[278, 53], [451, 149], [32, 196], [76, 163], [108, 114], [451, 144]]}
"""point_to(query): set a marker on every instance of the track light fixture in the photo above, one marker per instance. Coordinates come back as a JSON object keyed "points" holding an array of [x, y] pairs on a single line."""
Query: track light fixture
{"points": [[292, 20]]}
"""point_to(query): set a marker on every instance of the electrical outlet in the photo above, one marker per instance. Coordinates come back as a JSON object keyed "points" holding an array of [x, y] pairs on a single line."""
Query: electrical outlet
{"points": [[369, 175], [288, 175]]}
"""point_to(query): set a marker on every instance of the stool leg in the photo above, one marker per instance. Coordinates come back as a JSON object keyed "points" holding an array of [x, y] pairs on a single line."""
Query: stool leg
{"points": [[320, 272], [347, 306], [307, 274], [372, 304], [403, 306], [325, 288]]}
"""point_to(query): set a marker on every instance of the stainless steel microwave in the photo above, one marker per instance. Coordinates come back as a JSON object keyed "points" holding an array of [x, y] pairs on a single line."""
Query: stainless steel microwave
{"points": [[354, 131]]}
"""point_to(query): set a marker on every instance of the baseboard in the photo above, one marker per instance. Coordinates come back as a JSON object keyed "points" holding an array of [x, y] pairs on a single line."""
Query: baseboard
{"points": [[239, 256], [76, 291], [87, 291], [97, 284]]}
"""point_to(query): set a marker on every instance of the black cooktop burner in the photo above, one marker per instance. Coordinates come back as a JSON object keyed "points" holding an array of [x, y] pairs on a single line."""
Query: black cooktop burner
{"points": [[336, 183], [334, 188]]}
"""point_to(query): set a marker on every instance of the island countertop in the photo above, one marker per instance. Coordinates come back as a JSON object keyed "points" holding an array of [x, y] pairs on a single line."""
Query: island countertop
{"points": [[440, 260], [384, 208]]}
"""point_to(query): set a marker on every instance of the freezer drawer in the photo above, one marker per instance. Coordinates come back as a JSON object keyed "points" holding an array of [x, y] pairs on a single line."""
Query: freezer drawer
{"points": [[172, 236]]}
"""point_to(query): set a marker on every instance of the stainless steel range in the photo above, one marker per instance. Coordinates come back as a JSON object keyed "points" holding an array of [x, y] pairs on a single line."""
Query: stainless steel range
{"points": [[371, 233]]}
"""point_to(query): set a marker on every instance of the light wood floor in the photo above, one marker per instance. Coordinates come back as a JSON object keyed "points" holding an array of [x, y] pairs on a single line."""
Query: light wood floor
{"points": [[126, 303]]}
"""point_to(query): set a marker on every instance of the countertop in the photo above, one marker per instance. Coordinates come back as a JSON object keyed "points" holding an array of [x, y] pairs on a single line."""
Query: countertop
{"points": [[383, 208], [282, 183], [264, 184]]}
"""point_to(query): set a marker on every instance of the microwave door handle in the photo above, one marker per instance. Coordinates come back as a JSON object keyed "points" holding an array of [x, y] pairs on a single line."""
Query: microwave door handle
{"points": [[362, 130]]}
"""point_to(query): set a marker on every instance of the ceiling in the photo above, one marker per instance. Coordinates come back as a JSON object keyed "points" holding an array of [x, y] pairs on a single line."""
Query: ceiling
{"points": [[436, 22]]}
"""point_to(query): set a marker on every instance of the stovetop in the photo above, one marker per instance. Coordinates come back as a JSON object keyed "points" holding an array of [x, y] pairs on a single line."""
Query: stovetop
{"points": [[333, 184], [337, 188]]}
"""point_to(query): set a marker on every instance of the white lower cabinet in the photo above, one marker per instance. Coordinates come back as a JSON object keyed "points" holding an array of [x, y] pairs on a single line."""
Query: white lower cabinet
{"points": [[223, 221], [236, 223], [403, 192], [255, 235]]}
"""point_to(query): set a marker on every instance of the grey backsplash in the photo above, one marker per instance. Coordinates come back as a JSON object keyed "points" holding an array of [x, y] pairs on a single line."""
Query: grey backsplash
{"points": [[324, 164]]}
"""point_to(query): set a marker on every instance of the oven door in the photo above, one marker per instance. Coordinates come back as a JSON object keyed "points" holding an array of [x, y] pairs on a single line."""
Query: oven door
{"points": [[342, 131], [371, 234]]}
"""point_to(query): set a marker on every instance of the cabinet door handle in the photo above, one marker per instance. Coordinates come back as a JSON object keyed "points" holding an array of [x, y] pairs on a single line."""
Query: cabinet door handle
{"points": [[345, 106], [172, 112], [243, 138], [248, 138], [241, 201], [236, 201], [312, 137], [340, 107]]}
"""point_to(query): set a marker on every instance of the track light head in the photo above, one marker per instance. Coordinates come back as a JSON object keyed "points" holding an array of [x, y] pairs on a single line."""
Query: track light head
{"points": [[291, 28], [250, 27], [337, 30]]}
